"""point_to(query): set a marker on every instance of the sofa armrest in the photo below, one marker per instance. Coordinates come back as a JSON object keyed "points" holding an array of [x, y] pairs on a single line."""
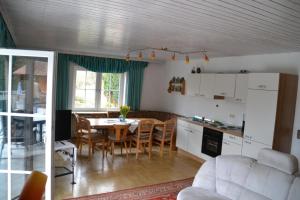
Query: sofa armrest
{"points": [[206, 176]]}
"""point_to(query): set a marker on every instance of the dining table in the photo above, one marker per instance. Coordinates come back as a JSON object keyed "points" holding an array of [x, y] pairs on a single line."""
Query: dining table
{"points": [[107, 123]]}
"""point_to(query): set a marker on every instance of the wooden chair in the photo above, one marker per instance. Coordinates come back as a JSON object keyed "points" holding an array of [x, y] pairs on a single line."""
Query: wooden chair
{"points": [[89, 136], [34, 187], [119, 136], [143, 136], [165, 135]]}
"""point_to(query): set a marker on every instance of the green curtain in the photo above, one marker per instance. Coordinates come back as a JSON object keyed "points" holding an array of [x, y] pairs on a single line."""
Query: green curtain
{"points": [[62, 82], [135, 71], [6, 39]]}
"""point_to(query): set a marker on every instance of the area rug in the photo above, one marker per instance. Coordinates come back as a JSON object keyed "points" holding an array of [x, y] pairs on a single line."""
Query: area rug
{"points": [[162, 191]]}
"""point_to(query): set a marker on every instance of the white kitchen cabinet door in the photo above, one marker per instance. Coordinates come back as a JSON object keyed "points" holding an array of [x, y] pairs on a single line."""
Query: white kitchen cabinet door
{"points": [[230, 148], [182, 137], [241, 88], [195, 141], [251, 148], [263, 81], [207, 85], [192, 84], [225, 85], [260, 116]]}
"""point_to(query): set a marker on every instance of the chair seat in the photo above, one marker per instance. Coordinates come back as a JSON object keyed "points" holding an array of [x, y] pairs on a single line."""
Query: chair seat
{"points": [[112, 137], [159, 136], [142, 136], [93, 136]]}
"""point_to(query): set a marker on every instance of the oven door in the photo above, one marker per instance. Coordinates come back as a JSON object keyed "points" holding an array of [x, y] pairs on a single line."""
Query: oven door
{"points": [[212, 142]]}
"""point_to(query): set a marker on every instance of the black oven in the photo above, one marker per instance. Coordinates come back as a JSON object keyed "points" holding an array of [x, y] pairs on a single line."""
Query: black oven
{"points": [[212, 142]]}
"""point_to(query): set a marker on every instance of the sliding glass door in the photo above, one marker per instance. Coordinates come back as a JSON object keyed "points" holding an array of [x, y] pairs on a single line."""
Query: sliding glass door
{"points": [[26, 108]]}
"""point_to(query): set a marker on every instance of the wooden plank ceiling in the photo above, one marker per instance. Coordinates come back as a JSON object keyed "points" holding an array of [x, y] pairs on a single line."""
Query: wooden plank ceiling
{"points": [[111, 27]]}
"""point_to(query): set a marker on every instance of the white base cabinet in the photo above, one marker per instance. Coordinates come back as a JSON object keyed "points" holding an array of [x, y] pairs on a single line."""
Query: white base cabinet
{"points": [[232, 145], [251, 148], [189, 137]]}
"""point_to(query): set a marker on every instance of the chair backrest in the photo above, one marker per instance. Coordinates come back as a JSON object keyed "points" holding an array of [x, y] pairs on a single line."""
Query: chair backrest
{"points": [[145, 128], [84, 126], [34, 186], [169, 127], [121, 131]]}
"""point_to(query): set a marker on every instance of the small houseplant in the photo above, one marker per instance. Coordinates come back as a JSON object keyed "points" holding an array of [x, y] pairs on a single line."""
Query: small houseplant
{"points": [[124, 110]]}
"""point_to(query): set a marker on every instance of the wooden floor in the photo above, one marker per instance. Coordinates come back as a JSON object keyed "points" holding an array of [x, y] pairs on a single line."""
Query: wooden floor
{"points": [[95, 176]]}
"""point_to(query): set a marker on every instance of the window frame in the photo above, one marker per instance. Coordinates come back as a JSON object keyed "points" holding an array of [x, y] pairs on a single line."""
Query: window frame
{"points": [[73, 73]]}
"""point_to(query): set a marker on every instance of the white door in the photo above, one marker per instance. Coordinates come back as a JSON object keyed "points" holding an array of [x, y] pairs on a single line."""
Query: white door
{"points": [[195, 141], [192, 84], [207, 85], [260, 116], [241, 88], [225, 85], [252, 148], [26, 84]]}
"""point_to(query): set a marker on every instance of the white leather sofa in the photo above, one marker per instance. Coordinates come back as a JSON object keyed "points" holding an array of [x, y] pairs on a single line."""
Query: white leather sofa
{"points": [[270, 177]]}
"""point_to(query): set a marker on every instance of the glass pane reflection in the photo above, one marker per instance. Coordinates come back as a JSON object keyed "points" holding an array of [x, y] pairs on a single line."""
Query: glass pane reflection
{"points": [[3, 186], [27, 143], [29, 85], [3, 83], [3, 142], [17, 183]]}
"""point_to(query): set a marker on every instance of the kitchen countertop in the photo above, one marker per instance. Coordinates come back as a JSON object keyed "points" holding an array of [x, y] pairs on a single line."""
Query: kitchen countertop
{"points": [[237, 132]]}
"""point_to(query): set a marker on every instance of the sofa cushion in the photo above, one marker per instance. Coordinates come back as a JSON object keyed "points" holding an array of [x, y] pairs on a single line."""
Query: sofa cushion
{"points": [[268, 183], [231, 174], [190, 193], [206, 176], [278, 160], [294, 193]]}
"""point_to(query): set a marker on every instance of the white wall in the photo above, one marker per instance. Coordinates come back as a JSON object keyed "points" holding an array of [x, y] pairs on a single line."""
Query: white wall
{"points": [[156, 97]]}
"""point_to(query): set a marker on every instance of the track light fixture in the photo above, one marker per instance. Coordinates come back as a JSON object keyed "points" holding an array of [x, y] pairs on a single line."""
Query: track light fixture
{"points": [[205, 58], [152, 55], [187, 59], [173, 56], [127, 58], [140, 56]]}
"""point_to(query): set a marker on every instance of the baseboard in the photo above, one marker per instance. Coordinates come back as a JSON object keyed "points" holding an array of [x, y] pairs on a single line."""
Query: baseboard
{"points": [[183, 152]]}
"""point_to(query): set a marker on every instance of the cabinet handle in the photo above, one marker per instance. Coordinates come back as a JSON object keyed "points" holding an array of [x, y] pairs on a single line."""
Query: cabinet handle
{"points": [[262, 86], [247, 142], [226, 143], [223, 93], [201, 95], [247, 136], [188, 130]]}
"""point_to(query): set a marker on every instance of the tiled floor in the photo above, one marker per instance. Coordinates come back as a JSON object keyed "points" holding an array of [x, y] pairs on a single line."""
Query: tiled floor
{"points": [[95, 176]]}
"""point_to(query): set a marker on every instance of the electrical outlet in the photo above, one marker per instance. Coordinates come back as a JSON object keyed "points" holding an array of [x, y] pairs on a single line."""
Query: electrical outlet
{"points": [[232, 115], [298, 134]]}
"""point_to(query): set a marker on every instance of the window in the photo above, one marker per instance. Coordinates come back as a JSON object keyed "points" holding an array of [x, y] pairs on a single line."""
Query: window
{"points": [[100, 91]]}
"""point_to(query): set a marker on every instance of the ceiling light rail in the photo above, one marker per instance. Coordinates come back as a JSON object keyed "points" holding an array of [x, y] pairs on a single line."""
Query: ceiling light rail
{"points": [[152, 55]]}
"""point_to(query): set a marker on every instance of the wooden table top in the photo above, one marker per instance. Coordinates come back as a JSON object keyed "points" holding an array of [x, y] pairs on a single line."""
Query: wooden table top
{"points": [[109, 122]]}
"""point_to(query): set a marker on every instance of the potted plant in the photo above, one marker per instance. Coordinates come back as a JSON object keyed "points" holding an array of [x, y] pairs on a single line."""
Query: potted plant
{"points": [[124, 110]]}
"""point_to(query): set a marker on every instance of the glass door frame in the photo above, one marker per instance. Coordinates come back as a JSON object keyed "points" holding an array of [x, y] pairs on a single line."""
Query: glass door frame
{"points": [[49, 116]]}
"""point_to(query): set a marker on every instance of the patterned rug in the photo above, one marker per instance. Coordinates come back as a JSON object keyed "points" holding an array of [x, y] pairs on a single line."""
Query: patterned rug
{"points": [[162, 191]]}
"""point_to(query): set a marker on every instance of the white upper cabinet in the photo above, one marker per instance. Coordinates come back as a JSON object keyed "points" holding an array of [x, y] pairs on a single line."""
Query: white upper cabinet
{"points": [[207, 85], [225, 85], [260, 116], [193, 84], [263, 81], [241, 88]]}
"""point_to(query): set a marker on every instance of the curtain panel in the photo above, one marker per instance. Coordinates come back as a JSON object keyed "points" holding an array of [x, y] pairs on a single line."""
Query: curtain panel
{"points": [[6, 39], [135, 71]]}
